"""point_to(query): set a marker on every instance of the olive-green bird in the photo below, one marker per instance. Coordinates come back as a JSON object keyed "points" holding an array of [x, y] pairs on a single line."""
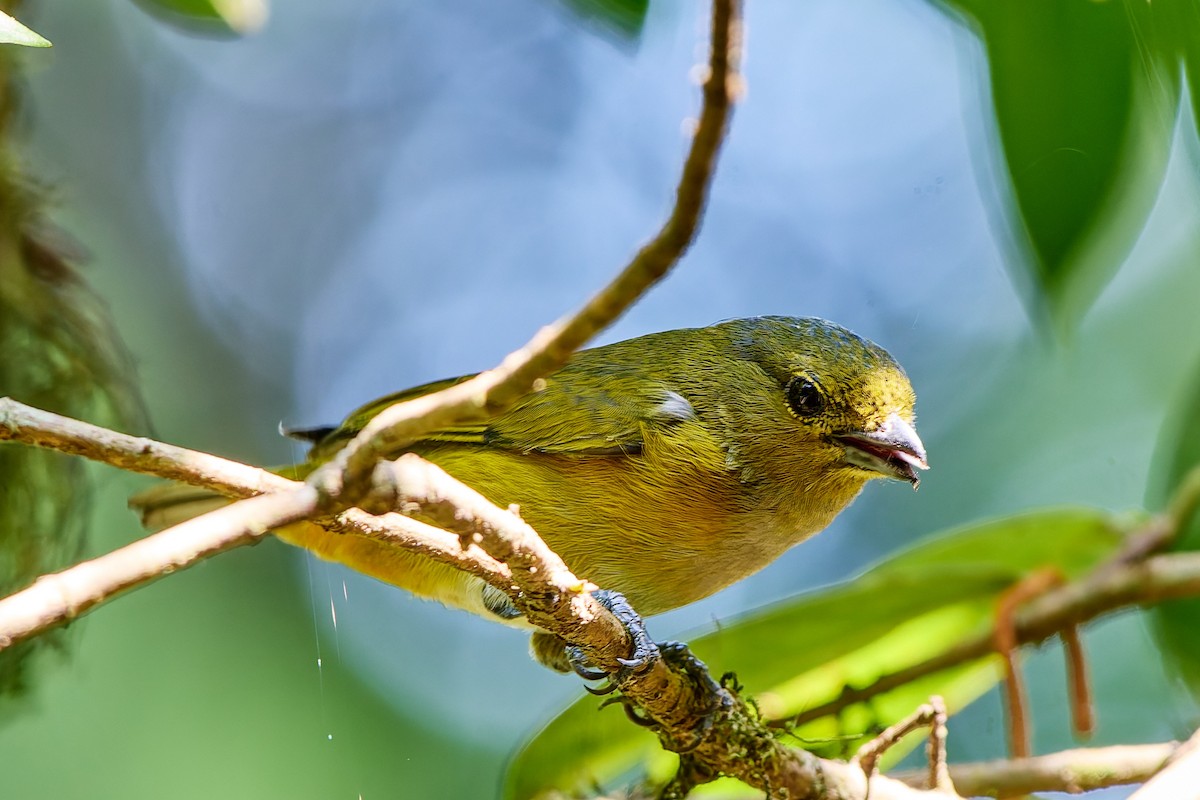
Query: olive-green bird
{"points": [[664, 467]]}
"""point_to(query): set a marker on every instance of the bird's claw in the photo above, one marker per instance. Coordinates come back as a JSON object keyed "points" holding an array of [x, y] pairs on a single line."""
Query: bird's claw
{"points": [[582, 667], [644, 650], [644, 654]]}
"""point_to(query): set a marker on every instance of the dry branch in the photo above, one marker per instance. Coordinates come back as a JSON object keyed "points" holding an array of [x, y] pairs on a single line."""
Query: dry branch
{"points": [[730, 738], [425, 491], [1113, 588], [931, 715], [484, 395], [1079, 770], [1179, 776], [691, 712], [490, 392], [33, 426], [64, 596]]}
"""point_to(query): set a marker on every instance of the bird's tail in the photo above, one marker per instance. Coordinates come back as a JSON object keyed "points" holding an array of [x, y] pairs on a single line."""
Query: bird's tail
{"points": [[167, 504]]}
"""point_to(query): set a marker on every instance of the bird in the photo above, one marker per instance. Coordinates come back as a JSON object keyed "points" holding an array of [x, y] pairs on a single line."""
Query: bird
{"points": [[663, 468]]}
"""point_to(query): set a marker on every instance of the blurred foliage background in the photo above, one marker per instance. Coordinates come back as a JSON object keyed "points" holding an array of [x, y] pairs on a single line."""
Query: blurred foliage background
{"points": [[367, 195]]}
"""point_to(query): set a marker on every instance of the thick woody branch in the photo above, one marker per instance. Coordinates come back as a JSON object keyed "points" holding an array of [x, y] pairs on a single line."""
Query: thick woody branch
{"points": [[493, 391]]}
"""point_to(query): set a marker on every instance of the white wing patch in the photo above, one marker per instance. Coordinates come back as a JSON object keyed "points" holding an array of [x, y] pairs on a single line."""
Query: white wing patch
{"points": [[674, 408]]}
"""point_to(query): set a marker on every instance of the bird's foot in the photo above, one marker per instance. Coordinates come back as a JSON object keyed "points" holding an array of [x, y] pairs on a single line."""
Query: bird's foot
{"points": [[551, 651], [644, 651]]}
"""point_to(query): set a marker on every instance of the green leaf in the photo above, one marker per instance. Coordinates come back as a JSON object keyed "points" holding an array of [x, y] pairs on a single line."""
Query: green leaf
{"points": [[800, 654], [1178, 453], [1177, 26], [1084, 97], [219, 17], [13, 32], [62, 353], [624, 17]]}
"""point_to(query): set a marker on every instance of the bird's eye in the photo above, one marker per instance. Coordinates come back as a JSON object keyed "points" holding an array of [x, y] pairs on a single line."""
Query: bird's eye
{"points": [[804, 397]]}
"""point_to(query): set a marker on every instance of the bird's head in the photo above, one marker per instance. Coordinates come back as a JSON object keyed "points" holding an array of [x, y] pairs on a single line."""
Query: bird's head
{"points": [[831, 407]]}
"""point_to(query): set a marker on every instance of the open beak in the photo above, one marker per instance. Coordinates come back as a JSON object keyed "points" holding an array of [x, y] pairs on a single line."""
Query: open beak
{"points": [[893, 451]]}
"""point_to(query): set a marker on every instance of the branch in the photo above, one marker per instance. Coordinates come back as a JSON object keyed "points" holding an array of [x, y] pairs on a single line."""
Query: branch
{"points": [[686, 705], [517, 561], [1080, 770], [1178, 777], [33, 426], [491, 392], [497, 546], [690, 710], [429, 492], [931, 715], [64, 596], [484, 395], [1109, 589]]}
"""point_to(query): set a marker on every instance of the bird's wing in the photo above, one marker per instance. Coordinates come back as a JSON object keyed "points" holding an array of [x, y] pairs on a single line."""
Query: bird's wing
{"points": [[576, 413]]}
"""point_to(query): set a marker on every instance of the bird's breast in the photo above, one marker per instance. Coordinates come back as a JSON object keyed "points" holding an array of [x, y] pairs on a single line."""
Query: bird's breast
{"points": [[663, 535]]}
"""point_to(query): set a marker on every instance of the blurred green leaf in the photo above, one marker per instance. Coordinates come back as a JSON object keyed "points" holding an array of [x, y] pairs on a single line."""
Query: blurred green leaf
{"points": [[1075, 87], [1177, 28], [62, 354], [13, 32], [624, 17], [238, 17], [1178, 452], [801, 653]]}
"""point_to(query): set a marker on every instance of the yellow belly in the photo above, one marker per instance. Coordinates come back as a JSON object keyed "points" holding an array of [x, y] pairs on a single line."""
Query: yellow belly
{"points": [[663, 537]]}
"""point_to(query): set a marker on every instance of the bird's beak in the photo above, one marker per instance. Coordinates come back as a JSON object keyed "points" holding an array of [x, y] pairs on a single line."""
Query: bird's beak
{"points": [[893, 451]]}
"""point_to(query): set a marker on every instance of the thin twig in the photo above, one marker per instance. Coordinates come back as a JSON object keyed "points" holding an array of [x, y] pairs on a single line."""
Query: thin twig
{"points": [[1075, 771], [490, 392], [869, 754], [64, 596], [1163, 529], [1186, 499], [33, 426], [1178, 778], [931, 715], [1079, 687], [939, 770], [1151, 581], [1005, 637]]}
